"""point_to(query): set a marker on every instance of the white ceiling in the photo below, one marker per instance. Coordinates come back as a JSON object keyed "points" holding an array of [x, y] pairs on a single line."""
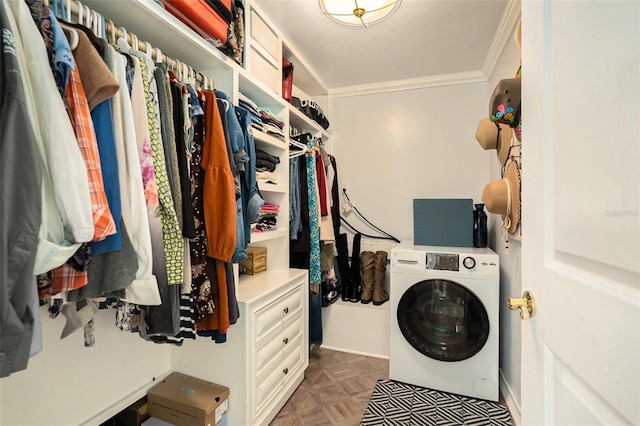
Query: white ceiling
{"points": [[423, 38]]}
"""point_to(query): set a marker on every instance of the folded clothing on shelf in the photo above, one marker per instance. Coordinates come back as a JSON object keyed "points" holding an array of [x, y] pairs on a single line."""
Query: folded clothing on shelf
{"points": [[262, 118], [311, 110], [267, 218], [265, 161], [268, 177]]}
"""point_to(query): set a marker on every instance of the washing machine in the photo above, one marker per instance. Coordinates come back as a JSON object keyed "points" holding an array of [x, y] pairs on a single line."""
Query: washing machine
{"points": [[444, 314]]}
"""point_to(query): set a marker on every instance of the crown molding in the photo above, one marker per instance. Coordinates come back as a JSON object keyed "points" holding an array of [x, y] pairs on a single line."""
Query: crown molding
{"points": [[503, 35], [408, 84]]}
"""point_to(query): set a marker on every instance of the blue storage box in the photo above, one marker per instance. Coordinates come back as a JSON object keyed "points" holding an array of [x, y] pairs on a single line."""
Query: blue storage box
{"points": [[443, 222]]}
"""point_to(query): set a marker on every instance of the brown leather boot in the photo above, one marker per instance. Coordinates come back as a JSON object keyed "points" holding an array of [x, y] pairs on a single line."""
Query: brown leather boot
{"points": [[366, 271], [379, 267]]}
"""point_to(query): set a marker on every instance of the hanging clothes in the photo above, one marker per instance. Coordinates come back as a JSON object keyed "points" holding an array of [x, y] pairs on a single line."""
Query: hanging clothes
{"points": [[143, 289], [315, 277], [304, 251], [21, 208], [219, 208]]}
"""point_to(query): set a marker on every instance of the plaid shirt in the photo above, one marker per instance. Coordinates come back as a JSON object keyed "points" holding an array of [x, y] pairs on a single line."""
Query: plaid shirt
{"points": [[65, 278]]}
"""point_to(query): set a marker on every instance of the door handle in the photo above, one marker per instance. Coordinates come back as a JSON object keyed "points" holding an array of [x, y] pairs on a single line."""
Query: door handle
{"points": [[527, 305]]}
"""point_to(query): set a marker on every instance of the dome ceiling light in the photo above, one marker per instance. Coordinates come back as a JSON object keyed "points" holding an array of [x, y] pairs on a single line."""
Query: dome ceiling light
{"points": [[359, 12]]}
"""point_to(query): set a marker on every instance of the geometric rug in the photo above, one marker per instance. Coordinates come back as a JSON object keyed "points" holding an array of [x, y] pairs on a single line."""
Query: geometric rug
{"points": [[396, 403]]}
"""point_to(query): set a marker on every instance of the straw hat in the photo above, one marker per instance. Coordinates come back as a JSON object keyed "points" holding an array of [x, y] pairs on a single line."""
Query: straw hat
{"points": [[503, 197], [504, 106], [491, 135], [517, 34]]}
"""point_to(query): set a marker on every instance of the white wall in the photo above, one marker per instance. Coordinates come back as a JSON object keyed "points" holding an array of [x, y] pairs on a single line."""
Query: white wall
{"points": [[68, 384], [510, 261], [393, 147]]}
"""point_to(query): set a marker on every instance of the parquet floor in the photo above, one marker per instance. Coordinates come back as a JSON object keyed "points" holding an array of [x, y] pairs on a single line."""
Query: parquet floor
{"points": [[335, 390]]}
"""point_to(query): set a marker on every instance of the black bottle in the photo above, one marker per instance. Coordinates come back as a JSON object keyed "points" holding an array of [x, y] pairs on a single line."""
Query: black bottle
{"points": [[479, 226]]}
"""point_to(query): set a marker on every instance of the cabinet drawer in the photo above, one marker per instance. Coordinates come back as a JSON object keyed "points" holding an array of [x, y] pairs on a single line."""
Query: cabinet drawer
{"points": [[264, 70], [265, 36], [271, 385], [273, 346], [276, 312]]}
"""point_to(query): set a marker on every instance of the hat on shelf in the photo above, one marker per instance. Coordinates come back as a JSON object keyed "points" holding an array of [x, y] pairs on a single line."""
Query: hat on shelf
{"points": [[491, 135], [503, 197], [504, 106]]}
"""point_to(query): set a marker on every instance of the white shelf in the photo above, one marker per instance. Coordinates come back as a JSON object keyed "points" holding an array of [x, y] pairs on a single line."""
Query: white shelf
{"points": [[280, 188], [301, 122], [259, 92], [257, 237], [304, 76], [269, 140]]}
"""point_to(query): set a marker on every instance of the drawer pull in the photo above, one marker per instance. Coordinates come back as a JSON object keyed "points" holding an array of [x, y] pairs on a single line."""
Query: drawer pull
{"points": [[285, 340], [285, 371], [286, 310]]}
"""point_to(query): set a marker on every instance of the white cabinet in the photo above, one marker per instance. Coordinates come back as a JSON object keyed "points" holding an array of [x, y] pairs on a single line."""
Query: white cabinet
{"points": [[267, 350], [263, 49]]}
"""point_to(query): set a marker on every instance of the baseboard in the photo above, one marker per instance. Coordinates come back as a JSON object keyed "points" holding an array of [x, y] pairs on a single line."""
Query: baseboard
{"points": [[509, 398], [350, 351], [123, 403]]}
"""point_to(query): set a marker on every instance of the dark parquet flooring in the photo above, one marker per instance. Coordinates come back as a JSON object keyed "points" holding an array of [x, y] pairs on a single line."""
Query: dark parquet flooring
{"points": [[335, 390]]}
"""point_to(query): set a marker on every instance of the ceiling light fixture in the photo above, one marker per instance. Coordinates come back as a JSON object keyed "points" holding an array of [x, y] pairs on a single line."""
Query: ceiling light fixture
{"points": [[359, 12]]}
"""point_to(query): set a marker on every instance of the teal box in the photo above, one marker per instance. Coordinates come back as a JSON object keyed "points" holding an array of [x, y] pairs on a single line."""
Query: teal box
{"points": [[443, 222]]}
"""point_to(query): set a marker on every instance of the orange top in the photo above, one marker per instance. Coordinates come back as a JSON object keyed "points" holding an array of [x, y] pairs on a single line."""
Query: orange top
{"points": [[219, 200]]}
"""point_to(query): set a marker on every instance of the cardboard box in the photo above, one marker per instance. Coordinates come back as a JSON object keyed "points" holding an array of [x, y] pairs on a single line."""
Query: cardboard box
{"points": [[133, 415], [443, 222], [189, 401], [256, 260]]}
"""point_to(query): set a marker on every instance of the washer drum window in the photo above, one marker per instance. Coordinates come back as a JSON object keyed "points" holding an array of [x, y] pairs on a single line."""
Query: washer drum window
{"points": [[443, 320]]}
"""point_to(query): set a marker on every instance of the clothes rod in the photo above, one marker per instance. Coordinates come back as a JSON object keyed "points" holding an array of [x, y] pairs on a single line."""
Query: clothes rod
{"points": [[114, 32]]}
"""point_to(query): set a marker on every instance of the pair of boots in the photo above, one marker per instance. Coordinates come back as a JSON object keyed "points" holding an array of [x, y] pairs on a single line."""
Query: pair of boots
{"points": [[372, 269]]}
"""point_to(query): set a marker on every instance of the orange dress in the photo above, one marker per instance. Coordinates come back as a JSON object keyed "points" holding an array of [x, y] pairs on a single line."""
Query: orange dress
{"points": [[219, 205]]}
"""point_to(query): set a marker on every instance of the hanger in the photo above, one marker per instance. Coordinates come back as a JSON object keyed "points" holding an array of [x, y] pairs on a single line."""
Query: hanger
{"points": [[123, 42], [149, 51], [158, 54], [111, 36], [304, 149], [226, 105], [189, 75], [135, 43], [72, 35], [80, 9], [87, 17]]}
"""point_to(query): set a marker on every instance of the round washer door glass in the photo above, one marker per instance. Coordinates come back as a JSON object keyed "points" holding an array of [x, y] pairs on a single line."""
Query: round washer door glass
{"points": [[443, 320]]}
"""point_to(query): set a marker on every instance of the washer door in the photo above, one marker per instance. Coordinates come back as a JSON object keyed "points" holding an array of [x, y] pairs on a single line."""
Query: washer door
{"points": [[443, 320]]}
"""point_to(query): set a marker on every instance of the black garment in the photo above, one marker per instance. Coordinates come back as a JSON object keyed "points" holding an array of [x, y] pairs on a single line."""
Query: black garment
{"points": [[234, 310], [265, 165], [263, 155], [302, 244], [188, 226], [335, 195]]}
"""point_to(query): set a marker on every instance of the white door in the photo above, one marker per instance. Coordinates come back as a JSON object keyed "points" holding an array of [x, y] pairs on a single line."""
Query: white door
{"points": [[581, 233]]}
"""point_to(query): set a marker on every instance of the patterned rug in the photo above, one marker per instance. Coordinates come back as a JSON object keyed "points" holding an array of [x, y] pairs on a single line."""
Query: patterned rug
{"points": [[395, 403]]}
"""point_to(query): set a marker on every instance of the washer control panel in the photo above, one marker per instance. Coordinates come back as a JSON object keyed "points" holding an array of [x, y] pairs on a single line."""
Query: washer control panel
{"points": [[438, 261], [442, 261]]}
